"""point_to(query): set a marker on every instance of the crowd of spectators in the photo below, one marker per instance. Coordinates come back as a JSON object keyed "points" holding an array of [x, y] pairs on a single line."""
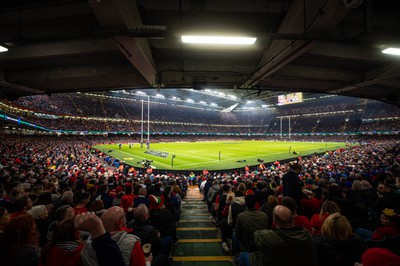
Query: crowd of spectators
{"points": [[358, 116], [45, 185], [377, 109], [343, 204], [386, 125], [332, 209]]}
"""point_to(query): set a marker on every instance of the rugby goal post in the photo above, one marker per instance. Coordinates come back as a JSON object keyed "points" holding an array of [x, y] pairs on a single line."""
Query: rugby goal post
{"points": [[148, 125], [282, 134]]}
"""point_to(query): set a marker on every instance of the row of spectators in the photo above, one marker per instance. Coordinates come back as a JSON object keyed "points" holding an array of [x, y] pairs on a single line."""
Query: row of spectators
{"points": [[129, 126], [389, 125], [331, 123]]}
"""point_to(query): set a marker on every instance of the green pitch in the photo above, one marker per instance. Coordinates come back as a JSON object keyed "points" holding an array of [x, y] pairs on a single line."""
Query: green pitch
{"points": [[213, 155]]}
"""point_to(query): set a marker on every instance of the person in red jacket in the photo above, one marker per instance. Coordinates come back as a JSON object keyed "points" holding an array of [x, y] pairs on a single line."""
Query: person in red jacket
{"points": [[390, 227], [63, 249], [328, 207]]}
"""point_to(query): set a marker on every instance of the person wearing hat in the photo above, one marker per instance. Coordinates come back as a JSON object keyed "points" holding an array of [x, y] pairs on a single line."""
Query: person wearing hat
{"points": [[378, 257], [162, 218], [390, 227], [292, 184]]}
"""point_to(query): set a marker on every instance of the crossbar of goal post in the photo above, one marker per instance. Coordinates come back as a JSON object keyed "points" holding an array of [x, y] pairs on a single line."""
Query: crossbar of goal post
{"points": [[281, 125]]}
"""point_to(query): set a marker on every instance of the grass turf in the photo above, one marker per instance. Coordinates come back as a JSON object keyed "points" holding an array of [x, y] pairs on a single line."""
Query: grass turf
{"points": [[205, 155]]}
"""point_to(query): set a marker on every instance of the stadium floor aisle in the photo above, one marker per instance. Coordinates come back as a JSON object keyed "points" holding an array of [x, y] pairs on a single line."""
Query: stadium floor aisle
{"points": [[199, 240]]}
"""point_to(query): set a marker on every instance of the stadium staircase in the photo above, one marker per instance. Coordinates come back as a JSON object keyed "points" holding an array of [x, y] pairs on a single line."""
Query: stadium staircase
{"points": [[79, 110], [126, 112], [199, 240], [102, 107]]}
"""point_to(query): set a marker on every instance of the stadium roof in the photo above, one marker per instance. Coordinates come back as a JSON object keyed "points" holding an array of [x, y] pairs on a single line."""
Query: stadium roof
{"points": [[329, 46]]}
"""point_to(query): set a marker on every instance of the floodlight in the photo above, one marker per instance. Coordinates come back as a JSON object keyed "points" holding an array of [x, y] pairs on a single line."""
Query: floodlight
{"points": [[3, 49], [220, 40], [394, 51]]}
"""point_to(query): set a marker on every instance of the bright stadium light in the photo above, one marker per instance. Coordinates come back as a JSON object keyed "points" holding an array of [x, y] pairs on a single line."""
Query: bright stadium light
{"points": [[174, 98], [159, 96], [232, 97], [393, 51], [219, 40], [3, 49]]}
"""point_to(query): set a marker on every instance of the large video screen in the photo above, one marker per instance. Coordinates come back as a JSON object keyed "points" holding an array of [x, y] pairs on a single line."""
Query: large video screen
{"points": [[296, 97]]}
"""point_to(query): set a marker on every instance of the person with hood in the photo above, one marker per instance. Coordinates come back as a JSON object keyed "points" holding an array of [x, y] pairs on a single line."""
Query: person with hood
{"points": [[212, 193], [286, 245], [338, 245], [236, 207]]}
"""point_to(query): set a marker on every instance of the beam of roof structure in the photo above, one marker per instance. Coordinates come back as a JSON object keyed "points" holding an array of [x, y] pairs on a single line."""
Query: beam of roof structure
{"points": [[121, 14], [315, 17]]}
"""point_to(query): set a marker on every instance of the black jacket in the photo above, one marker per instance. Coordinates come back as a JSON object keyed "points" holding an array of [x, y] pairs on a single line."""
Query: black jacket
{"points": [[292, 186], [107, 251], [148, 234], [164, 221], [344, 253]]}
